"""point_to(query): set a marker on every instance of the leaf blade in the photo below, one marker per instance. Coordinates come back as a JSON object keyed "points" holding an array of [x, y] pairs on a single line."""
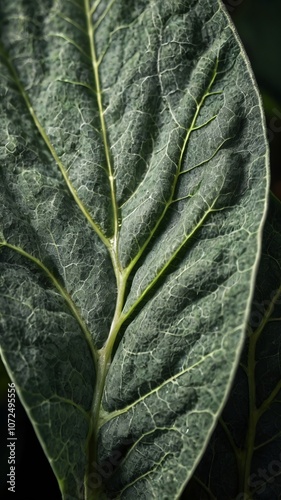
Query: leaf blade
{"points": [[168, 150]]}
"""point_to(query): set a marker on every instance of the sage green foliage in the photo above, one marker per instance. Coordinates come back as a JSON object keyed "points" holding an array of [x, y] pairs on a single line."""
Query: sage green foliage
{"points": [[248, 437], [133, 192]]}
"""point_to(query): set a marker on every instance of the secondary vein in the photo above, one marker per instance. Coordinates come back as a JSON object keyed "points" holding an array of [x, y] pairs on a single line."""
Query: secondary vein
{"points": [[117, 413], [179, 167], [62, 291], [161, 271], [53, 152]]}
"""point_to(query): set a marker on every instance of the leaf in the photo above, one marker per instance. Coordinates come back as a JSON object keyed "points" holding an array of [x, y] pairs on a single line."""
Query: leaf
{"points": [[133, 195], [248, 437]]}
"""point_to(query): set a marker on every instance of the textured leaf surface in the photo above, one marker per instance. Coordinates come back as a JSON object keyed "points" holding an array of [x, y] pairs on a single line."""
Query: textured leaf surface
{"points": [[133, 187], [248, 437]]}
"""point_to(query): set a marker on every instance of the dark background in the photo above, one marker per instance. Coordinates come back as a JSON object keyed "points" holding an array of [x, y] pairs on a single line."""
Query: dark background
{"points": [[258, 24]]}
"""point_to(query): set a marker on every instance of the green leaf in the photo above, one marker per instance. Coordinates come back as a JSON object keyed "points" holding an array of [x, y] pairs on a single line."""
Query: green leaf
{"points": [[133, 197], [248, 436]]}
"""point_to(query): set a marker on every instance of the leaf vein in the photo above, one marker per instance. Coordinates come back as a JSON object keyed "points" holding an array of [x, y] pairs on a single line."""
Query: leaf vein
{"points": [[62, 291]]}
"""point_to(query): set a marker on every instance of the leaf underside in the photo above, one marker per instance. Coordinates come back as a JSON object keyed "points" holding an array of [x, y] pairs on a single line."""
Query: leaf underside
{"points": [[133, 190]]}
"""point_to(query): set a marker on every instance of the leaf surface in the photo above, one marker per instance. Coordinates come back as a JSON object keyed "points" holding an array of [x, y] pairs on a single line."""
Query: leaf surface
{"points": [[248, 436], [133, 192]]}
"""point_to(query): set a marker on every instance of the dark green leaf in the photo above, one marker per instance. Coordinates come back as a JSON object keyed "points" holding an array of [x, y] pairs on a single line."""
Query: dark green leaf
{"points": [[133, 191]]}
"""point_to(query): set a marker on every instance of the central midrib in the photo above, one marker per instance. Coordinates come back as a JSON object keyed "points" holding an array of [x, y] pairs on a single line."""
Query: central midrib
{"points": [[95, 67], [121, 274], [104, 357]]}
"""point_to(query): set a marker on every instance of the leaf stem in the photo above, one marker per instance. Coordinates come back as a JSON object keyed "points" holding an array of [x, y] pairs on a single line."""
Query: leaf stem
{"points": [[104, 354], [103, 364]]}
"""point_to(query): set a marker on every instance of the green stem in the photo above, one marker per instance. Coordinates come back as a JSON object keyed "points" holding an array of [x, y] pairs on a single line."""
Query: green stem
{"points": [[103, 364]]}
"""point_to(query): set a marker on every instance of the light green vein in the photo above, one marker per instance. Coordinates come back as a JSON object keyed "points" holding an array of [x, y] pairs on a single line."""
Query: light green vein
{"points": [[120, 316], [95, 67], [202, 125], [179, 167], [94, 7], [61, 399], [71, 42], [52, 150], [148, 473], [105, 12], [110, 415], [77, 83], [56, 399], [142, 437], [208, 159], [126, 315], [64, 294], [103, 355], [70, 21]]}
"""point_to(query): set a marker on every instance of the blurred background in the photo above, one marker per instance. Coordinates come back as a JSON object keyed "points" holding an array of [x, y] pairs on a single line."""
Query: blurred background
{"points": [[258, 24]]}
